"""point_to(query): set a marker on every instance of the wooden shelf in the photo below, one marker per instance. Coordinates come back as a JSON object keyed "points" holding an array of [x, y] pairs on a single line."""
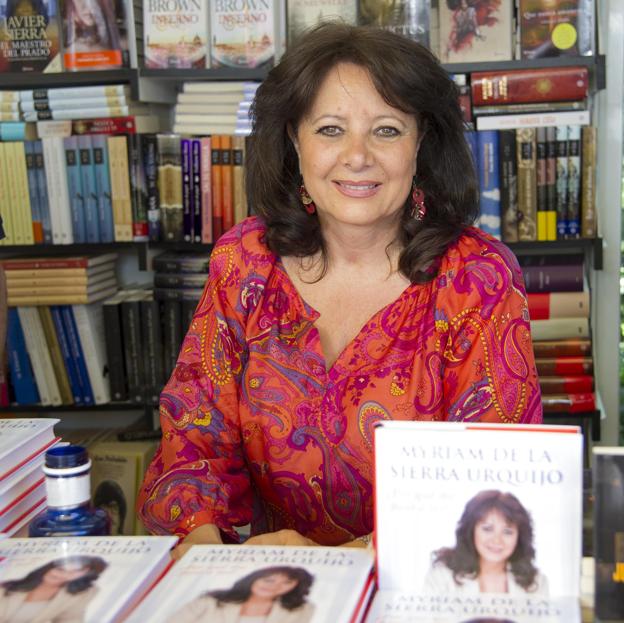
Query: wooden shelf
{"points": [[562, 247]]}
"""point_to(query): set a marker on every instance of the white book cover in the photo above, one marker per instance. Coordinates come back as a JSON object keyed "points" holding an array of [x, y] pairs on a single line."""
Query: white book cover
{"points": [[21, 482], [12, 515], [58, 191], [533, 120], [111, 90], [281, 584], [88, 579], [175, 34], [242, 34], [90, 326], [22, 440], [467, 509], [304, 14]]}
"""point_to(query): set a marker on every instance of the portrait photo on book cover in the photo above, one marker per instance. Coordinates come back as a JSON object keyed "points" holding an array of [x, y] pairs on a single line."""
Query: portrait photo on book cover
{"points": [[275, 594], [492, 550], [60, 589]]}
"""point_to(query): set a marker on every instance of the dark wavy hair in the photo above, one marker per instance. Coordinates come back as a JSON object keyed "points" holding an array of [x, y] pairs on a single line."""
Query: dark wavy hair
{"points": [[94, 565], [241, 589], [463, 559], [409, 78]]}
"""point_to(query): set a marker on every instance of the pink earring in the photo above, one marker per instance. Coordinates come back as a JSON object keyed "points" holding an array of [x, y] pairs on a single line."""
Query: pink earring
{"points": [[419, 209], [308, 204]]}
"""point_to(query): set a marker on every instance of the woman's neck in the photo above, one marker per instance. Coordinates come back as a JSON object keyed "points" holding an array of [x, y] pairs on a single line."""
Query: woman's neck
{"points": [[256, 606], [493, 577], [43, 592]]}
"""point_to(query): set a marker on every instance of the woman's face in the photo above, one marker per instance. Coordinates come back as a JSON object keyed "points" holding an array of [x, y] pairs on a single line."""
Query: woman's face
{"points": [[357, 154], [59, 576], [495, 538], [272, 586]]}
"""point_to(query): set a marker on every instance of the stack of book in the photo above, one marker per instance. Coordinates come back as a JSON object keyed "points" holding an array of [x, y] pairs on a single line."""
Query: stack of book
{"points": [[559, 308], [214, 108], [23, 443], [60, 281]]}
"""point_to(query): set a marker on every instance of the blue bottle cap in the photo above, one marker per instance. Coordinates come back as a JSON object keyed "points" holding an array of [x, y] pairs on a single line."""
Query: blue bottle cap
{"points": [[66, 456]]}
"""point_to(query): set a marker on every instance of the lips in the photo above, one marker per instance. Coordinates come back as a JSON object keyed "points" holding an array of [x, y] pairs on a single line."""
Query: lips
{"points": [[361, 189]]}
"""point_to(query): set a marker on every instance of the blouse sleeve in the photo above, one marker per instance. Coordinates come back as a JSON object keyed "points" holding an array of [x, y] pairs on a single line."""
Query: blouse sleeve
{"points": [[198, 475], [488, 367]]}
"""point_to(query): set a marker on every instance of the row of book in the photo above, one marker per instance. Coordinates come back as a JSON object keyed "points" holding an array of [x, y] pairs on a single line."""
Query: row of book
{"points": [[537, 184], [54, 36], [438, 474]]}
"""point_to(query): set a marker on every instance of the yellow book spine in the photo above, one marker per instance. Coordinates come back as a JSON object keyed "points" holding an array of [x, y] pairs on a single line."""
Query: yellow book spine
{"points": [[22, 188]]}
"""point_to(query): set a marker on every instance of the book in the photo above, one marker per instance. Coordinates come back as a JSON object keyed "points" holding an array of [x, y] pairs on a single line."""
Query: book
{"points": [[58, 364], [530, 107], [116, 572], [467, 482], [238, 179], [608, 477], [175, 35], [140, 229], [508, 170], [470, 33], [581, 384], [562, 180], [563, 348], [573, 225], [541, 181], [58, 191], [552, 273], [216, 183], [93, 35], [243, 35], [149, 156], [565, 366], [103, 101], [77, 353], [132, 344], [74, 186], [29, 36], [169, 160], [227, 191], [196, 188], [187, 200], [301, 15], [33, 191], [534, 120], [172, 334], [130, 124], [529, 85], [91, 201], [589, 226], [66, 351], [152, 347], [103, 191], [178, 294], [116, 476], [556, 29], [560, 328], [543, 305], [93, 293], [121, 196], [551, 183], [318, 584], [22, 482], [489, 183], [23, 439], [172, 262], [179, 280], [111, 310], [526, 161], [20, 369], [568, 403], [408, 18]]}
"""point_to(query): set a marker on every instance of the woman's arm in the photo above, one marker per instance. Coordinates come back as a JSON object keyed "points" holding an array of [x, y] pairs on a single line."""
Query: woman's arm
{"points": [[198, 475]]}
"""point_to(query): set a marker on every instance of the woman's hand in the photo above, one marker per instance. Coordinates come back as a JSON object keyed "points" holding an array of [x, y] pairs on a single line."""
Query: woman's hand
{"points": [[281, 537], [207, 534], [364, 541]]}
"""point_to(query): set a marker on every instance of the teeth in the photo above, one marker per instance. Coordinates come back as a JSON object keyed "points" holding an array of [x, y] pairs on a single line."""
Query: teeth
{"points": [[359, 186]]}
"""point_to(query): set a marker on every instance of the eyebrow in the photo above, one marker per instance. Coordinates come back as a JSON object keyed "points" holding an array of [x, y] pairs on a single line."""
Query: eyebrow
{"points": [[340, 118]]}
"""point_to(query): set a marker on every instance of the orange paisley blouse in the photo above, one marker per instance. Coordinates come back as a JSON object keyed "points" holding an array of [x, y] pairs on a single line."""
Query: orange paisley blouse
{"points": [[256, 430]]}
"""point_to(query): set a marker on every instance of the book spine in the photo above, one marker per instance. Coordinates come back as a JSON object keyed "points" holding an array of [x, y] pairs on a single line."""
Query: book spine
{"points": [[589, 227], [175, 294], [535, 120], [206, 190], [58, 365], [562, 348], [13, 199], [529, 85], [238, 176], [33, 191], [187, 200], [542, 207], [227, 197], [150, 166], [558, 305], [87, 103], [559, 328], [172, 334], [120, 186], [170, 186], [152, 349], [42, 192], [168, 264], [131, 328], [103, 190], [58, 191], [573, 229], [569, 403], [562, 181], [5, 200], [21, 173], [565, 278], [566, 384], [90, 201], [551, 183], [509, 184], [137, 190], [527, 184], [217, 187], [179, 280], [112, 90], [68, 360], [115, 349], [196, 189], [20, 369], [565, 366], [69, 325], [70, 114]]}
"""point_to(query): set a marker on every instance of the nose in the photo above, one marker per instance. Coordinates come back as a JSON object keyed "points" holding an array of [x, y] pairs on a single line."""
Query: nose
{"points": [[356, 152]]}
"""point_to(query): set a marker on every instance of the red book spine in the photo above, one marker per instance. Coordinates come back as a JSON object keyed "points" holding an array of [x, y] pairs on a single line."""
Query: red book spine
{"points": [[562, 366], [105, 125], [569, 403], [33, 264], [529, 85], [582, 384]]}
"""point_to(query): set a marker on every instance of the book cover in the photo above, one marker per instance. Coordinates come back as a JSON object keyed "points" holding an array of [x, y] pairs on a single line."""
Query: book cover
{"points": [[89, 188], [98, 579], [149, 156], [121, 194], [77, 353], [58, 365], [29, 36], [94, 35], [409, 18], [501, 505], [302, 584], [58, 192], [475, 31], [138, 189], [243, 34], [133, 348], [227, 190], [170, 186], [216, 183], [44, 263], [563, 348], [529, 85], [589, 226], [187, 199], [175, 34], [608, 479], [553, 277], [238, 179], [33, 192], [304, 14], [526, 158], [559, 28], [42, 191]]}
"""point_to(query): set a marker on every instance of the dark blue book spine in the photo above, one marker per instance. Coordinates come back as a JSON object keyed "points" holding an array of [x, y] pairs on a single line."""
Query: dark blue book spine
{"points": [[20, 370], [74, 186], [196, 191], [489, 182], [75, 346], [187, 202], [42, 192], [103, 187], [70, 365], [87, 169], [149, 154]]}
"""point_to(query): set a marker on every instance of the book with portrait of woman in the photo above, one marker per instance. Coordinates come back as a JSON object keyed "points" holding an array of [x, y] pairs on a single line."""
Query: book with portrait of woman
{"points": [[88, 579], [223, 584], [480, 519]]}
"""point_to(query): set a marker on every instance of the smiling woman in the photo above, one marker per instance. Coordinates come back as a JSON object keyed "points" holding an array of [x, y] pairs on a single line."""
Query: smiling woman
{"points": [[358, 292]]}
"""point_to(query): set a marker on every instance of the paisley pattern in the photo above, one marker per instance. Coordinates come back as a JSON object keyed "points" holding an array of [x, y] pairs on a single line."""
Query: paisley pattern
{"points": [[255, 429]]}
